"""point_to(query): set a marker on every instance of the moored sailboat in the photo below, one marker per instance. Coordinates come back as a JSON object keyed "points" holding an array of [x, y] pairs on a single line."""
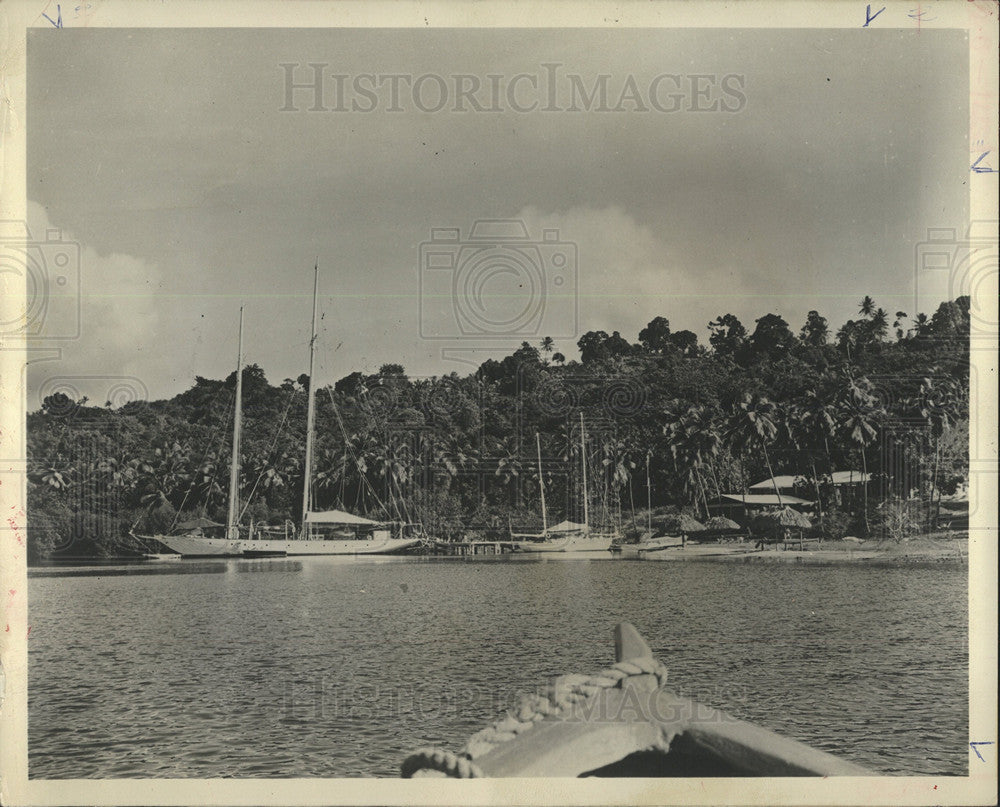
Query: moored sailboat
{"points": [[330, 532], [567, 536], [194, 539]]}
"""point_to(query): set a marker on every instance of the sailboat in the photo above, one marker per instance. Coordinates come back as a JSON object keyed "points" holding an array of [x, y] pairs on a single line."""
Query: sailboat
{"points": [[331, 532], [647, 541], [567, 536], [194, 539], [323, 532]]}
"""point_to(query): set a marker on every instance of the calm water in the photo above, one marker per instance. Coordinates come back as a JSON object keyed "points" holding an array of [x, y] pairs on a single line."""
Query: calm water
{"points": [[330, 667]]}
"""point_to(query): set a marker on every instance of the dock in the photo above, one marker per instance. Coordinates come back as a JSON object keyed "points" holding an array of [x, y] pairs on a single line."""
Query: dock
{"points": [[470, 548]]}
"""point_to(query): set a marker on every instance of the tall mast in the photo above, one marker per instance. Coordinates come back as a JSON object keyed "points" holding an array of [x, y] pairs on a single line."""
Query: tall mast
{"points": [[311, 407], [541, 483], [649, 497], [232, 528], [583, 464]]}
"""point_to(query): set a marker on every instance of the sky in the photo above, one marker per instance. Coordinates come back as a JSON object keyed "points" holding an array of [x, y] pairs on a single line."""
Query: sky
{"points": [[166, 159]]}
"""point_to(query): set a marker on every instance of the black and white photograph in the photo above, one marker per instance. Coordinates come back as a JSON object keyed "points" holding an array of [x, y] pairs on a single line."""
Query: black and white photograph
{"points": [[507, 392]]}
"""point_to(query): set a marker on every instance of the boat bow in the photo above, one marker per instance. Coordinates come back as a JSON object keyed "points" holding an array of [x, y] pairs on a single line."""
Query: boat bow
{"points": [[623, 721]]}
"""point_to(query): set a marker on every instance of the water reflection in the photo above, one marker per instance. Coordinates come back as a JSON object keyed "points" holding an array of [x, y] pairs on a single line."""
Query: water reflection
{"points": [[133, 569], [268, 565]]}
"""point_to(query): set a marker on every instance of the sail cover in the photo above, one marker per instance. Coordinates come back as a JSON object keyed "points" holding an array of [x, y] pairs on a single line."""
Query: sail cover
{"points": [[336, 517], [567, 526]]}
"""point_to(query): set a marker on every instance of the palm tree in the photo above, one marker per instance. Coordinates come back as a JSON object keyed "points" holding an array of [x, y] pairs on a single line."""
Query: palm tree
{"points": [[447, 455], [207, 479], [754, 424], [618, 465], [867, 306], [811, 424], [508, 466], [328, 469], [848, 335], [164, 474], [936, 404], [898, 325], [547, 345], [707, 442], [880, 323], [694, 442], [859, 412]]}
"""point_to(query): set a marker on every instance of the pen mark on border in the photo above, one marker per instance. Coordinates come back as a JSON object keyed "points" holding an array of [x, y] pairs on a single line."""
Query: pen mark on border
{"points": [[57, 22], [978, 743], [869, 16], [982, 169]]}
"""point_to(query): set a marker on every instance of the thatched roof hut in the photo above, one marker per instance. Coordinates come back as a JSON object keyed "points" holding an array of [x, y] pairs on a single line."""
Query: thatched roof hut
{"points": [[774, 523], [675, 524], [721, 523], [789, 518]]}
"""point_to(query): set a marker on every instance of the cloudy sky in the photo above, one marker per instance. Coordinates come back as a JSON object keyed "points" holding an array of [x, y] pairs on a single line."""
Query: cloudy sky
{"points": [[165, 154]]}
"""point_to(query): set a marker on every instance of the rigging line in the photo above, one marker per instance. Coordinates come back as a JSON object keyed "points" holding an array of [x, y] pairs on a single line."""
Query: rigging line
{"points": [[269, 455], [343, 481], [208, 448], [390, 479], [631, 500], [219, 431], [350, 450]]}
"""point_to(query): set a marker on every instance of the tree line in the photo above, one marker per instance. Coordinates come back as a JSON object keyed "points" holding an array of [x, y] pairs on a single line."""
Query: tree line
{"points": [[666, 419]]}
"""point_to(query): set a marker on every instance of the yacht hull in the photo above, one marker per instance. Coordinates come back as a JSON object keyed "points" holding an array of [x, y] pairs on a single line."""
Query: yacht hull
{"points": [[194, 546], [571, 544], [360, 546]]}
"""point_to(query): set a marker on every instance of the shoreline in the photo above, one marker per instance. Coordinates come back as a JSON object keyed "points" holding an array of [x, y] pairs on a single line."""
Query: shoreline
{"points": [[919, 552]]}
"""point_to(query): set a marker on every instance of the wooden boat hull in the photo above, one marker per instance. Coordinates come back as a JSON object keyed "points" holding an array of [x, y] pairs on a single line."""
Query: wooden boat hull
{"points": [[574, 543], [309, 546], [653, 545], [192, 546], [659, 735], [196, 546], [628, 725]]}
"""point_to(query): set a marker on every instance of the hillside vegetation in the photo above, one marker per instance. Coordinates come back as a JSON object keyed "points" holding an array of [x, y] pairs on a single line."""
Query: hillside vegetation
{"points": [[884, 394]]}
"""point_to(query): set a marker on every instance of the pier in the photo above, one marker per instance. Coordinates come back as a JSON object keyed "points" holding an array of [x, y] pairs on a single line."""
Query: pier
{"points": [[469, 548]]}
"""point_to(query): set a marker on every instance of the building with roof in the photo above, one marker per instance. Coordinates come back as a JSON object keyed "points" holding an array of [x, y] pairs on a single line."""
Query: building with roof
{"points": [[743, 506], [786, 482], [762, 500]]}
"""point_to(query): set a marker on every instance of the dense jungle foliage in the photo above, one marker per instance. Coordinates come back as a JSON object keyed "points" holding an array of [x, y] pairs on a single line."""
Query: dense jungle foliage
{"points": [[885, 395]]}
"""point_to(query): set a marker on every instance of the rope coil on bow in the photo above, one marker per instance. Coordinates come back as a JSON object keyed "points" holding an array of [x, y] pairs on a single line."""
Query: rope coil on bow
{"points": [[567, 692]]}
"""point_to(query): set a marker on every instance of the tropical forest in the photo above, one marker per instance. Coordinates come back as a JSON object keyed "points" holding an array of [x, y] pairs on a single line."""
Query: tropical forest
{"points": [[668, 423]]}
